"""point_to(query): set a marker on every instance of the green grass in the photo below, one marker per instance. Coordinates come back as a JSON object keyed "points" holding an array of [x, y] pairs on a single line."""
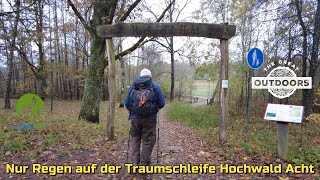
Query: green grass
{"points": [[203, 88], [14, 145], [204, 119], [64, 152], [50, 139], [304, 141]]}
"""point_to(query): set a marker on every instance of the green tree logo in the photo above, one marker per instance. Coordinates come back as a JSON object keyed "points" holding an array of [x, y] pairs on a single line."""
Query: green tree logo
{"points": [[32, 104]]}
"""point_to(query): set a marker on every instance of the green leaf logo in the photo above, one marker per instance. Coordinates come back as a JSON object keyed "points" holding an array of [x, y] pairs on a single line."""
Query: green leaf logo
{"points": [[31, 103]]}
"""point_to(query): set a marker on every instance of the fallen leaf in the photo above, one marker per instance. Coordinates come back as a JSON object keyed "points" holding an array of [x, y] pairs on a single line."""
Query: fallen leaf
{"points": [[283, 178]]}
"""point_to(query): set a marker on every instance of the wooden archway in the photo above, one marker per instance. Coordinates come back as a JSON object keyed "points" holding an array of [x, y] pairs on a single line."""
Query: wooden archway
{"points": [[217, 31]]}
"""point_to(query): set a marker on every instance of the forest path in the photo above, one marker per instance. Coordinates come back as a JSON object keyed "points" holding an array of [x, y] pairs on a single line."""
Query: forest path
{"points": [[180, 144]]}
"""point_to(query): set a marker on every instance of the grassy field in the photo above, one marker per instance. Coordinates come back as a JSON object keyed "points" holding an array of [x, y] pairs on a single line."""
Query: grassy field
{"points": [[304, 140], [203, 88]]}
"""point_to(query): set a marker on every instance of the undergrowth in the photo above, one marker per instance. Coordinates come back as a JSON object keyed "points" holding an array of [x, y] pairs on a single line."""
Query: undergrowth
{"points": [[62, 128], [304, 139]]}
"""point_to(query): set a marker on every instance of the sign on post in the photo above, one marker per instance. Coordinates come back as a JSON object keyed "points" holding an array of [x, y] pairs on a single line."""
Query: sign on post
{"points": [[283, 114], [255, 58], [225, 83]]}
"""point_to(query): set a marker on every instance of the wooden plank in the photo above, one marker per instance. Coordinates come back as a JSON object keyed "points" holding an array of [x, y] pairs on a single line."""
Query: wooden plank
{"points": [[218, 31], [282, 140], [223, 93]]}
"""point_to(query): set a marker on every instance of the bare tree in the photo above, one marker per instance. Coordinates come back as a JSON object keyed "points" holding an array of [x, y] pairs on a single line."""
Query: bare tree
{"points": [[11, 55], [308, 94]]}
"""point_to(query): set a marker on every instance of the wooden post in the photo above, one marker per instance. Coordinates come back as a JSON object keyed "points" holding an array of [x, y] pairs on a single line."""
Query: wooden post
{"points": [[112, 90], [223, 93], [283, 140]]}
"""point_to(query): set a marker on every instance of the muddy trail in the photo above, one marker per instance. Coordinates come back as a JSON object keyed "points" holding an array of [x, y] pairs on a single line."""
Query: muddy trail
{"points": [[178, 145]]}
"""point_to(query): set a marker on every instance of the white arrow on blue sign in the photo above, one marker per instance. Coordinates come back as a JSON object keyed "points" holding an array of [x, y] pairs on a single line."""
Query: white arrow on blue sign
{"points": [[255, 58]]}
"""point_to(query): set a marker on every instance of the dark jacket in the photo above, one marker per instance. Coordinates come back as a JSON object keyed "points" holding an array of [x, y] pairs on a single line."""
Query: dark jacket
{"points": [[160, 101]]}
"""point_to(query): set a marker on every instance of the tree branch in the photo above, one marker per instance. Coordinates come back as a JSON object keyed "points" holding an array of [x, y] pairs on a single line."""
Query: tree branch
{"points": [[125, 16], [83, 22], [166, 38], [149, 10], [164, 12], [184, 6], [25, 58], [137, 44], [114, 4], [132, 48], [161, 74], [16, 11], [123, 4], [168, 48]]}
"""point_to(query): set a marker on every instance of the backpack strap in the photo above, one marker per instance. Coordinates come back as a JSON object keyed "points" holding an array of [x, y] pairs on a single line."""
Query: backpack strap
{"points": [[154, 91]]}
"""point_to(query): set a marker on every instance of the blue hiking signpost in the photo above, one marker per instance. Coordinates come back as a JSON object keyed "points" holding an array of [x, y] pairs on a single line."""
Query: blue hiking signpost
{"points": [[255, 58]]}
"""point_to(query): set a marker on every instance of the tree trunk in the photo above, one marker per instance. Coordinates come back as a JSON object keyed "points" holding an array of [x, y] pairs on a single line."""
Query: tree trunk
{"points": [[15, 77], [123, 82], [51, 65], [171, 54], [314, 64], [129, 69], [41, 85], [24, 66], [10, 59], [305, 92], [57, 50], [75, 80], [41, 77], [66, 78], [181, 80], [172, 70], [92, 90]]}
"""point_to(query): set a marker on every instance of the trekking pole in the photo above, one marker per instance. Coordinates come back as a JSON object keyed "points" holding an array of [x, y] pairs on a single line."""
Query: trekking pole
{"points": [[128, 145], [158, 138]]}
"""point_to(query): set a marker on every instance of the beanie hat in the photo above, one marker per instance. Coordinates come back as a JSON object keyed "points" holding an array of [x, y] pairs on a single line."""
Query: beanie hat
{"points": [[145, 72]]}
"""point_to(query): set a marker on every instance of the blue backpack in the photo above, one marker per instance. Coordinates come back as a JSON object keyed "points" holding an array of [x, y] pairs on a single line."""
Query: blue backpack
{"points": [[143, 97]]}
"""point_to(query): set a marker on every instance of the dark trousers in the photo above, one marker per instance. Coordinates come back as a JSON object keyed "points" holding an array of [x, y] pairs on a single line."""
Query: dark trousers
{"points": [[143, 131]]}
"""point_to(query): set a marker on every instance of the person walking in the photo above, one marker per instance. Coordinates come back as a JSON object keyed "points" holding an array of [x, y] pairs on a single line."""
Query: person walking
{"points": [[144, 100]]}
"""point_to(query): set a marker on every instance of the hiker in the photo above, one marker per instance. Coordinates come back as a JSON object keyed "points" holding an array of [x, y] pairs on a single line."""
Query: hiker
{"points": [[144, 100]]}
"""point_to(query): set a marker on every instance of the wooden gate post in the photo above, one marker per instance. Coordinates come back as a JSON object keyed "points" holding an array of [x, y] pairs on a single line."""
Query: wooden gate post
{"points": [[223, 92], [112, 90], [282, 134]]}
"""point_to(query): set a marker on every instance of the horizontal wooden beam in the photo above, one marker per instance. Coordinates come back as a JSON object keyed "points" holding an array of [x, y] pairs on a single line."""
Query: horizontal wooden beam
{"points": [[217, 31]]}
